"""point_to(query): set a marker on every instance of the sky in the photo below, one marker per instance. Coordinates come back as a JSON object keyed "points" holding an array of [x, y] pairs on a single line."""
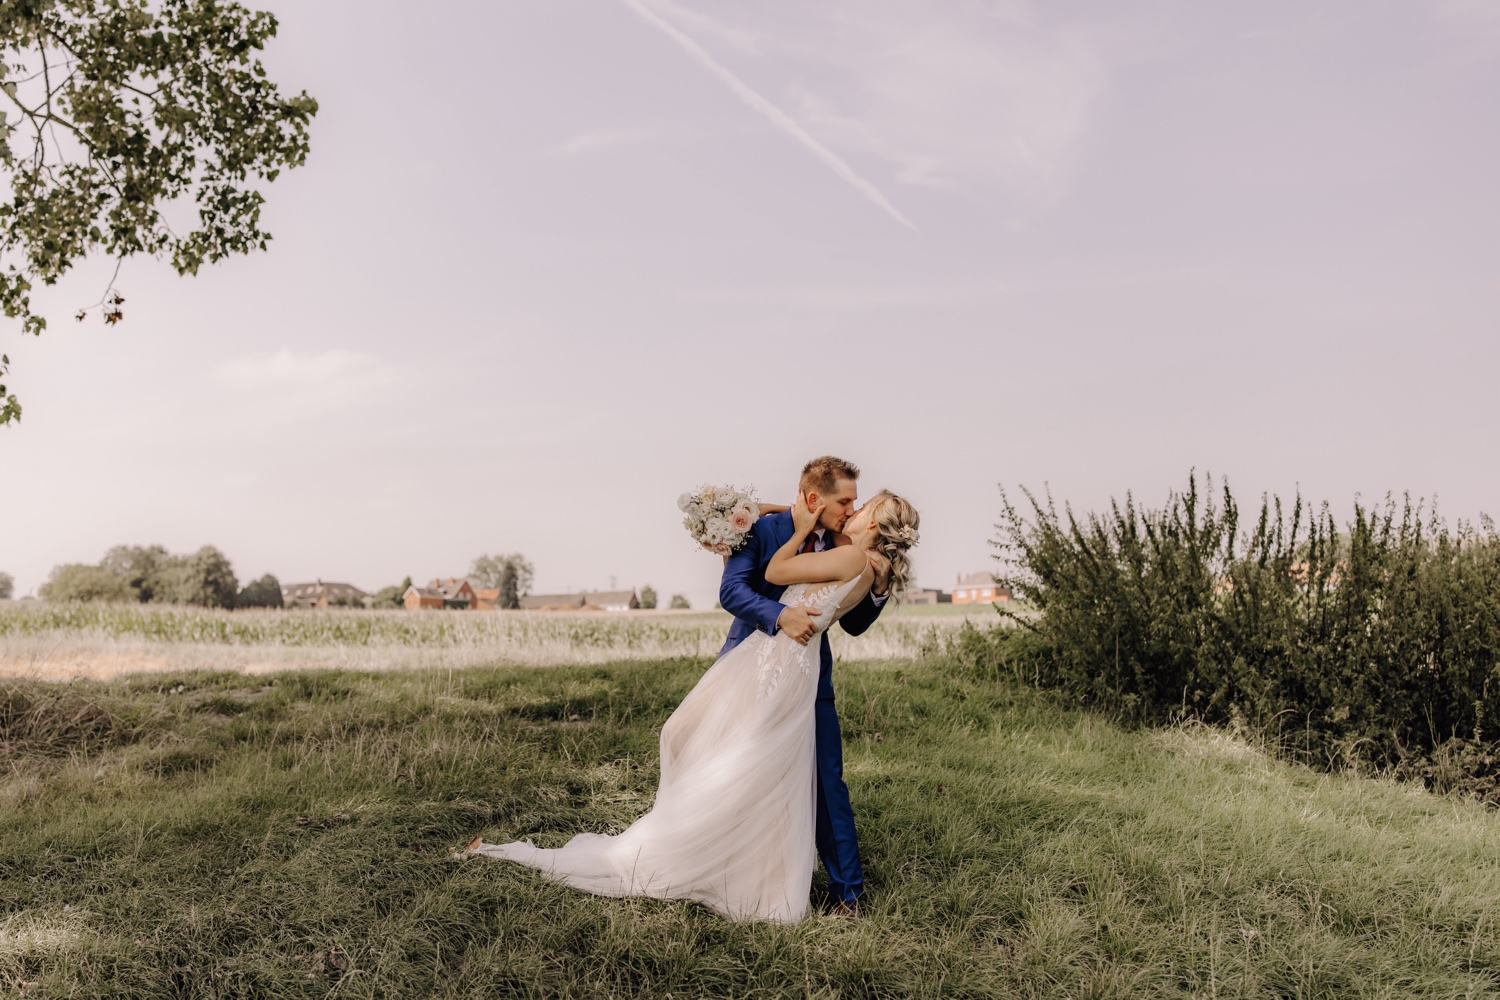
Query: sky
{"points": [[552, 263]]}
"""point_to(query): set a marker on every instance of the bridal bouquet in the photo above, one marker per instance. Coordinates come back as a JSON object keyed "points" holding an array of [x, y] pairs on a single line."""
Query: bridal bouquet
{"points": [[718, 517]]}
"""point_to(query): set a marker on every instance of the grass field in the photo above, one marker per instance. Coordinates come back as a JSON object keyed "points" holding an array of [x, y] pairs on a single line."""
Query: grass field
{"points": [[101, 641], [289, 835]]}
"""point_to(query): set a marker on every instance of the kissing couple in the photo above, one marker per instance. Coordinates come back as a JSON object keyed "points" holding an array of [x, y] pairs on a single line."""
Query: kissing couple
{"points": [[752, 782]]}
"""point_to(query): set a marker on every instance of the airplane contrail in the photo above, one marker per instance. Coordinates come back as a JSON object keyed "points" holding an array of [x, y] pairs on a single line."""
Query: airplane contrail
{"points": [[776, 116]]}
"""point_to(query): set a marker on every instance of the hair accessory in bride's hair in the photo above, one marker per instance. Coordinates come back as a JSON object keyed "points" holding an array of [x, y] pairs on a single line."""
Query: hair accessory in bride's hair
{"points": [[908, 534]]}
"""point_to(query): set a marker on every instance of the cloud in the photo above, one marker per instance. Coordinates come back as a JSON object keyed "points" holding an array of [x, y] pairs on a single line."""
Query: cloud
{"points": [[985, 98], [773, 114], [855, 297], [587, 142], [925, 171], [335, 376], [955, 101]]}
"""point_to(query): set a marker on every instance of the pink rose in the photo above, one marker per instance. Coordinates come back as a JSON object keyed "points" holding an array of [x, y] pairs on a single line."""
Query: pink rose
{"points": [[740, 519], [721, 549]]}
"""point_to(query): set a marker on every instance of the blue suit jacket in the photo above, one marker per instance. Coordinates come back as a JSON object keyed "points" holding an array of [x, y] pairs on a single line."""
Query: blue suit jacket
{"points": [[756, 604]]}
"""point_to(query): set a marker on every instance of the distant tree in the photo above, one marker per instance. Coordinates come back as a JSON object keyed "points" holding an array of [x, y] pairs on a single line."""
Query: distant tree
{"points": [[485, 570], [648, 596], [489, 572], [80, 582], [679, 602], [138, 566], [510, 588], [390, 597], [204, 578], [7, 586], [262, 593], [113, 113]]}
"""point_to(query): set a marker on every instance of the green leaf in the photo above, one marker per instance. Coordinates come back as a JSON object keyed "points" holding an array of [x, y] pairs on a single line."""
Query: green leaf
{"points": [[217, 128]]}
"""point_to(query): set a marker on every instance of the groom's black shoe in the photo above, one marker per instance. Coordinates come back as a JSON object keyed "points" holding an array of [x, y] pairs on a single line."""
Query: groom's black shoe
{"points": [[848, 910]]}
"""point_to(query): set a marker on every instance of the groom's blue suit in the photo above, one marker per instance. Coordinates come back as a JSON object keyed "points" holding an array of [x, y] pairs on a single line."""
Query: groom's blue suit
{"points": [[756, 604]]}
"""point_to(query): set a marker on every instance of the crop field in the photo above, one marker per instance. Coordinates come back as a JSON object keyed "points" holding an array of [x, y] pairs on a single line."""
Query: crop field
{"points": [[102, 641]]}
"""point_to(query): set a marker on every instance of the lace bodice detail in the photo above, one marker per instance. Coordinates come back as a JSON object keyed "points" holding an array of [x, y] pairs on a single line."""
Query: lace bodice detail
{"points": [[821, 600], [779, 657]]}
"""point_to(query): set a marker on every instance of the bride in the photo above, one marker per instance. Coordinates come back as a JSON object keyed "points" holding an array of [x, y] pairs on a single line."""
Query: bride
{"points": [[732, 825]]}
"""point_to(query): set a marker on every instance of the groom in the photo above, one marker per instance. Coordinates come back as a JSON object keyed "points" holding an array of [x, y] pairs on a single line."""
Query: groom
{"points": [[755, 604]]}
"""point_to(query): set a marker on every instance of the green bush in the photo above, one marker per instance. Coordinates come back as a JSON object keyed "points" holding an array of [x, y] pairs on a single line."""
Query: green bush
{"points": [[141, 566], [205, 579], [262, 593], [150, 574], [1374, 640], [79, 582]]}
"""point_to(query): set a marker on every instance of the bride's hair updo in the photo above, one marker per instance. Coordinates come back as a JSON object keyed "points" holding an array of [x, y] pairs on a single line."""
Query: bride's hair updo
{"points": [[895, 522]]}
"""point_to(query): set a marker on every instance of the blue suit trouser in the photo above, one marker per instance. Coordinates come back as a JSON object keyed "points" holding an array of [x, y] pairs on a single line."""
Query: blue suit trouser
{"points": [[837, 845]]}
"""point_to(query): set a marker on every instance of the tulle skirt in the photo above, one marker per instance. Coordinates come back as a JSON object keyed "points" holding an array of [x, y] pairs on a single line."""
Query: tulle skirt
{"points": [[732, 825]]}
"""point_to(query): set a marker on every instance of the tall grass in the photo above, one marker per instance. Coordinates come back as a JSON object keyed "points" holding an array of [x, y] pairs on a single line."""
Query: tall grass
{"points": [[215, 835], [1374, 639]]}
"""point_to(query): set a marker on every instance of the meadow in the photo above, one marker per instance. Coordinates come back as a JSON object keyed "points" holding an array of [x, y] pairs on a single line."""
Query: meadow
{"points": [[61, 641], [218, 834]]}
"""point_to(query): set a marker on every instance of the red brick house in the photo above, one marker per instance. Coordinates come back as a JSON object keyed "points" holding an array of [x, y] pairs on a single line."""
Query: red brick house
{"points": [[416, 598], [450, 593], [980, 588]]}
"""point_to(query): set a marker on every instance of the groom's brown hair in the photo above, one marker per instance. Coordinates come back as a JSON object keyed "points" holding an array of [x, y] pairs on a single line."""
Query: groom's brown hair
{"points": [[822, 475]]}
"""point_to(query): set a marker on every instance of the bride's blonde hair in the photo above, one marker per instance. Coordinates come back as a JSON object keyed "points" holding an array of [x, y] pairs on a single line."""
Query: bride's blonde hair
{"points": [[895, 522]]}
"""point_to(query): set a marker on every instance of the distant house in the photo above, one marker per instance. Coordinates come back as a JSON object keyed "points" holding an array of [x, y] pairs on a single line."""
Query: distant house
{"points": [[593, 600], [979, 588], [487, 598], [551, 602], [453, 592], [926, 595], [612, 600], [416, 598], [457, 593], [319, 594]]}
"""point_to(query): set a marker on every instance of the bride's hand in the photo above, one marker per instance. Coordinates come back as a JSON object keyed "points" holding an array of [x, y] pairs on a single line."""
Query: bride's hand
{"points": [[803, 519]]}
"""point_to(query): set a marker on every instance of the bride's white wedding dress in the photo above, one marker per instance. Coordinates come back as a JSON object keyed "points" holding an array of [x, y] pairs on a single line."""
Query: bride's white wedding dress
{"points": [[732, 826]]}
